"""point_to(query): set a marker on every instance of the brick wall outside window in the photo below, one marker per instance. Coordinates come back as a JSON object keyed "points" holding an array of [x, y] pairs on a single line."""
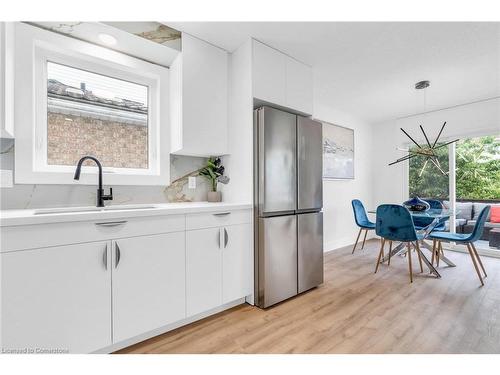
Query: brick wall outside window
{"points": [[115, 144]]}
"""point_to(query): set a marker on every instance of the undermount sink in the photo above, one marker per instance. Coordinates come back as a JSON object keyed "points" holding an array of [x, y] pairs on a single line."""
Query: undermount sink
{"points": [[64, 210]]}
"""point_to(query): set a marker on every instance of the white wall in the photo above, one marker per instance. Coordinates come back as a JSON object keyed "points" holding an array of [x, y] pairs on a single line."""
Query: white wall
{"points": [[339, 228], [476, 119]]}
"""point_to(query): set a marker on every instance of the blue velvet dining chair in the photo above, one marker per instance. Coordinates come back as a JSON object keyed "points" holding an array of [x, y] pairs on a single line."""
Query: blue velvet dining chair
{"points": [[466, 239], [394, 223], [362, 221]]}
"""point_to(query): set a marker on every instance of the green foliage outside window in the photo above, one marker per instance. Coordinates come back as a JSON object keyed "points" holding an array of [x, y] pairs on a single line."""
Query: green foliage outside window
{"points": [[478, 168], [477, 171], [429, 182]]}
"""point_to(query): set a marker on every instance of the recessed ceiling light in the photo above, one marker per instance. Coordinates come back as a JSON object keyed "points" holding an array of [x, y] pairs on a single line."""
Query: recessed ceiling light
{"points": [[110, 40]]}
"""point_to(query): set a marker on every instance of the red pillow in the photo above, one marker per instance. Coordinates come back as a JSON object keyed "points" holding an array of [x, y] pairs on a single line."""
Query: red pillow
{"points": [[495, 214]]}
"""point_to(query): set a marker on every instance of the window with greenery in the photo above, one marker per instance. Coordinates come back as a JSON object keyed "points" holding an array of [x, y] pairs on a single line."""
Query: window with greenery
{"points": [[425, 178], [478, 168]]}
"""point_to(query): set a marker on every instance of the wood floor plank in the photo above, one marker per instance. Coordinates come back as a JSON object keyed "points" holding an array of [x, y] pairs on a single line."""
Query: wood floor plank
{"points": [[357, 311]]}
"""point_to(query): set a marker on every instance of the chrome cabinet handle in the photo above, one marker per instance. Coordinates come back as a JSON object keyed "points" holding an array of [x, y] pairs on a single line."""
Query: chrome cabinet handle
{"points": [[118, 254], [226, 238], [222, 214], [111, 223], [105, 257]]}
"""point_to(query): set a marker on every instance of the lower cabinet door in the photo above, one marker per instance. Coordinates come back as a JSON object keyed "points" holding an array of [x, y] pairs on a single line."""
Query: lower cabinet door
{"points": [[148, 283], [57, 299], [237, 262], [203, 270]]}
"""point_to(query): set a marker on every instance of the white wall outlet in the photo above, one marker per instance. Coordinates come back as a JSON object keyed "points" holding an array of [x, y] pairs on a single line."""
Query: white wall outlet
{"points": [[192, 182]]}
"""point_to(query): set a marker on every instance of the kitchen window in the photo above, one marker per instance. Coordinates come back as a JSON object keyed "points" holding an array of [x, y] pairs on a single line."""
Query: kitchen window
{"points": [[93, 114], [81, 99]]}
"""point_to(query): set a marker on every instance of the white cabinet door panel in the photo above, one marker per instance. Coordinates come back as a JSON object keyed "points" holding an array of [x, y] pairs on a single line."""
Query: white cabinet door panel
{"points": [[57, 298], [148, 283], [299, 86], [237, 262], [203, 270], [200, 128], [269, 74]]}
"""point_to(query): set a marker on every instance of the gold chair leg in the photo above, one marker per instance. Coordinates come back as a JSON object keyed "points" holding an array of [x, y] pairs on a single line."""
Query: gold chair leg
{"points": [[471, 252], [433, 252], [380, 254], [409, 262], [364, 239], [478, 259], [357, 238], [390, 251], [417, 249]]}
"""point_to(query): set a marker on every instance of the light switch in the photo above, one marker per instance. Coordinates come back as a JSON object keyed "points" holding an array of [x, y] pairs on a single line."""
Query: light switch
{"points": [[192, 182]]}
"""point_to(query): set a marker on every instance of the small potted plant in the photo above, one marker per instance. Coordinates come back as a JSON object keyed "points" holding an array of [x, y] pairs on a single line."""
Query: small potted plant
{"points": [[214, 172]]}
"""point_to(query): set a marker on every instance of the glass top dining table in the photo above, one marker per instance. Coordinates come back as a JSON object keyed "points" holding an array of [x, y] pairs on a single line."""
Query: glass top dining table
{"points": [[438, 216], [431, 213]]}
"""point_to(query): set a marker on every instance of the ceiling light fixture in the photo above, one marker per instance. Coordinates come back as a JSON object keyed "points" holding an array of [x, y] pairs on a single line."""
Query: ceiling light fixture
{"points": [[107, 39], [428, 151]]}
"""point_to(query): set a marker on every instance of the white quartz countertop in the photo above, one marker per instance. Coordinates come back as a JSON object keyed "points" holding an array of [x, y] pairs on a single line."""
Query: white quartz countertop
{"points": [[67, 214]]}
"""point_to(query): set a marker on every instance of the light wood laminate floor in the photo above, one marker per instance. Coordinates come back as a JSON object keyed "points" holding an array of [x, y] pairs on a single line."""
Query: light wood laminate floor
{"points": [[357, 311]]}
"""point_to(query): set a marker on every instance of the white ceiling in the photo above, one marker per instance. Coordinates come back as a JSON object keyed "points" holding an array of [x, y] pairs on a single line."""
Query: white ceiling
{"points": [[369, 69]]}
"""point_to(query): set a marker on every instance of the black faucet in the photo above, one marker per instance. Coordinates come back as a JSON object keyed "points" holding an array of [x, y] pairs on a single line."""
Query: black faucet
{"points": [[100, 192]]}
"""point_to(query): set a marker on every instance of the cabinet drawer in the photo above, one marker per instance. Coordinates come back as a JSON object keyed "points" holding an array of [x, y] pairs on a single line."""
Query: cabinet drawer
{"points": [[24, 237], [217, 219]]}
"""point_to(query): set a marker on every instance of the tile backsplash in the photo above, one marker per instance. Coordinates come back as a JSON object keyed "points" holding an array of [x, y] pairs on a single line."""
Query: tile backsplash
{"points": [[181, 167]]}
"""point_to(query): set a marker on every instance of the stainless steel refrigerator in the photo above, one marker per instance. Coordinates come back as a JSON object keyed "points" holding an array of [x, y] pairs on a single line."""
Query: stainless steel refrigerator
{"points": [[288, 201]]}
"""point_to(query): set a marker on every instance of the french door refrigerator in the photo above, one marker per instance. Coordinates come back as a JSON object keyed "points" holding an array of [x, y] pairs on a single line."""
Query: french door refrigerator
{"points": [[288, 201]]}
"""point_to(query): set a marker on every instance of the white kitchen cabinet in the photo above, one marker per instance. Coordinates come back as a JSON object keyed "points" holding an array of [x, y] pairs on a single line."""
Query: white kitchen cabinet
{"points": [[100, 284], [6, 83], [199, 85], [219, 266], [280, 79], [57, 298], [203, 270], [237, 261], [269, 74], [299, 86], [148, 283]]}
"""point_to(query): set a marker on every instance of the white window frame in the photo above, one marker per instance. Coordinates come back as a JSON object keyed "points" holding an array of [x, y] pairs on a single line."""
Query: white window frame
{"points": [[35, 47]]}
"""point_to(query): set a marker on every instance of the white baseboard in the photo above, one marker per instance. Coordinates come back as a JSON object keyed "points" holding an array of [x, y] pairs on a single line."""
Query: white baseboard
{"points": [[340, 244]]}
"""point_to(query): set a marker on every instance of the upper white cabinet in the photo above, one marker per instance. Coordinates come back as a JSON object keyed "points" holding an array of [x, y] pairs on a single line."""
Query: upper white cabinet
{"points": [[57, 298], [6, 80], [280, 79], [148, 283], [199, 84], [299, 86], [269, 74]]}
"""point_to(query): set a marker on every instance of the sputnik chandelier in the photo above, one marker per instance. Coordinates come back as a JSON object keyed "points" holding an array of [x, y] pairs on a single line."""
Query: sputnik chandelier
{"points": [[427, 151]]}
